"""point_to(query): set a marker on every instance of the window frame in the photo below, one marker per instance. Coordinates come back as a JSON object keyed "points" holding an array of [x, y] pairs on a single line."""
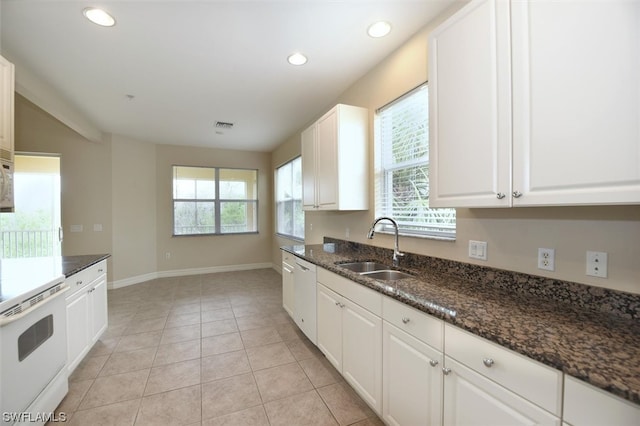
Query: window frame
{"points": [[384, 181], [292, 200], [217, 202]]}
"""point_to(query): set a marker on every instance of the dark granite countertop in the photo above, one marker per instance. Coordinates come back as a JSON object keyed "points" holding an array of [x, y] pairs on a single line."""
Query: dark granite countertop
{"points": [[74, 264], [597, 346]]}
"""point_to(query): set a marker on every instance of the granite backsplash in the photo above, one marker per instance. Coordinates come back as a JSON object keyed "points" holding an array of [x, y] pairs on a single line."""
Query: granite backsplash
{"points": [[618, 303]]}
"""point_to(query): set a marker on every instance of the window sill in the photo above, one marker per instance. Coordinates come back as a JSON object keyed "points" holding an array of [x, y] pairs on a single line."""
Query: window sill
{"points": [[290, 237], [419, 236]]}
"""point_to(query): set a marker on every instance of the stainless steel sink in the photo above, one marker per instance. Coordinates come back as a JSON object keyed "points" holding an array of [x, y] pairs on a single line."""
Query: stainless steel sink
{"points": [[363, 267], [377, 271], [387, 275]]}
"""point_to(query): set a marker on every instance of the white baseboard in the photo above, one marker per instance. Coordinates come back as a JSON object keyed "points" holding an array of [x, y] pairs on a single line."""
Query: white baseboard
{"points": [[184, 272]]}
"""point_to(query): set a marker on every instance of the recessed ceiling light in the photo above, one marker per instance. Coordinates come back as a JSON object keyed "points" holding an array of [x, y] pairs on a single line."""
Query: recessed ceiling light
{"points": [[379, 29], [99, 16], [297, 59]]}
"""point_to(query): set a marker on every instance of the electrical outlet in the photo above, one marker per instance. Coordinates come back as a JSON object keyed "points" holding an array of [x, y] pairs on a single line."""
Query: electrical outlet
{"points": [[546, 259], [597, 264], [167, 255], [478, 249]]}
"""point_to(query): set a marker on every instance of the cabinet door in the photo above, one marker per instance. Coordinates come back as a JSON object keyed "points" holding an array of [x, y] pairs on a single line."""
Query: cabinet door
{"points": [[287, 289], [412, 380], [576, 102], [98, 308], [7, 74], [472, 399], [586, 405], [308, 150], [470, 108], [362, 353], [327, 161], [330, 325], [78, 328]]}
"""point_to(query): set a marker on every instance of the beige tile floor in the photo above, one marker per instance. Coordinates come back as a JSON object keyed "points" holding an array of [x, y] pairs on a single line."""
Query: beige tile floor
{"points": [[215, 349]]}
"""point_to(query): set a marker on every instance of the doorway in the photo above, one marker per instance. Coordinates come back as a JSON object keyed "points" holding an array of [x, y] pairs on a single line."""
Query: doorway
{"points": [[33, 230]]}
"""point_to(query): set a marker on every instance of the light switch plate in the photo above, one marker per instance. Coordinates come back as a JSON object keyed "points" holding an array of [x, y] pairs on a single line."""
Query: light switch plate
{"points": [[478, 249]]}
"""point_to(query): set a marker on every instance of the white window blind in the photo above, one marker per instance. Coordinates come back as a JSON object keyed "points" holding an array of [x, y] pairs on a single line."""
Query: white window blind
{"points": [[402, 168]]}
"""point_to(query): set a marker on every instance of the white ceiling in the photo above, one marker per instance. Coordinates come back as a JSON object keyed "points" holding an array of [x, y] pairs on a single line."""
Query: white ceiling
{"points": [[192, 63]]}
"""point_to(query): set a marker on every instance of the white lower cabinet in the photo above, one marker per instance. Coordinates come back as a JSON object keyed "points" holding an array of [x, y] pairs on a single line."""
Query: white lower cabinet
{"points": [[362, 353], [415, 369], [87, 316], [472, 399], [586, 405], [350, 336], [330, 325], [489, 384], [411, 380]]}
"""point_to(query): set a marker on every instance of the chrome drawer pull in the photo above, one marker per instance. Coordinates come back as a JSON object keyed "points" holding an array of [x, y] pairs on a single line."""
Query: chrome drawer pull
{"points": [[446, 371], [500, 195], [433, 362], [405, 320], [79, 282], [488, 362]]}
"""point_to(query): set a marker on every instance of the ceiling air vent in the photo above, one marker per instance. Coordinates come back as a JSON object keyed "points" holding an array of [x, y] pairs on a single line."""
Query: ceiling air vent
{"points": [[223, 125]]}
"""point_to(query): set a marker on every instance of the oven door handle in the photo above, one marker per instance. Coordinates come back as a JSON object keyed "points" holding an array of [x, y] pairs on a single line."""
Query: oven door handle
{"points": [[8, 320]]}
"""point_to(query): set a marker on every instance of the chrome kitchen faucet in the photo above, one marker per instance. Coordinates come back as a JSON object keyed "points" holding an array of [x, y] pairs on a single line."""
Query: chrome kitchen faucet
{"points": [[396, 251]]}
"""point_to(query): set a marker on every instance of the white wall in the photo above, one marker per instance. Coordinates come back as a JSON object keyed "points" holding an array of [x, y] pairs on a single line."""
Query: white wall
{"points": [[133, 165]]}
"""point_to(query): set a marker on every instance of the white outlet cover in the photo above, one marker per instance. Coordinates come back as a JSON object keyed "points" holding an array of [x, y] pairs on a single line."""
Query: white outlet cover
{"points": [[597, 264], [547, 259]]}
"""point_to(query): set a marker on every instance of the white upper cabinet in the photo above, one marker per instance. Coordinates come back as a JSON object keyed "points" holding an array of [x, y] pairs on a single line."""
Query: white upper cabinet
{"points": [[335, 161], [470, 107], [7, 82], [536, 103]]}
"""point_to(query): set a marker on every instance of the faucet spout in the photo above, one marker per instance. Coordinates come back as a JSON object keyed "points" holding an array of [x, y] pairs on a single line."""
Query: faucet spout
{"points": [[396, 251]]}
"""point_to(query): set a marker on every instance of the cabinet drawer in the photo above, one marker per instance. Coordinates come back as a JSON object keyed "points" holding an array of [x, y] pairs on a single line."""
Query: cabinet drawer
{"points": [[528, 378], [86, 276], [357, 293], [288, 258], [418, 324]]}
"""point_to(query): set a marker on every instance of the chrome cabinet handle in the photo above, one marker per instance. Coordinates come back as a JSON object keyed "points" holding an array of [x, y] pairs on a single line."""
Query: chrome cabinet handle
{"points": [[500, 195], [342, 305], [433, 362], [79, 282], [405, 320], [446, 371], [488, 362], [517, 194]]}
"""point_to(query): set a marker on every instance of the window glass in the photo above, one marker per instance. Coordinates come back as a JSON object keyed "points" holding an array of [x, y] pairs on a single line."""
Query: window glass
{"points": [[197, 210], [402, 168], [289, 213]]}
